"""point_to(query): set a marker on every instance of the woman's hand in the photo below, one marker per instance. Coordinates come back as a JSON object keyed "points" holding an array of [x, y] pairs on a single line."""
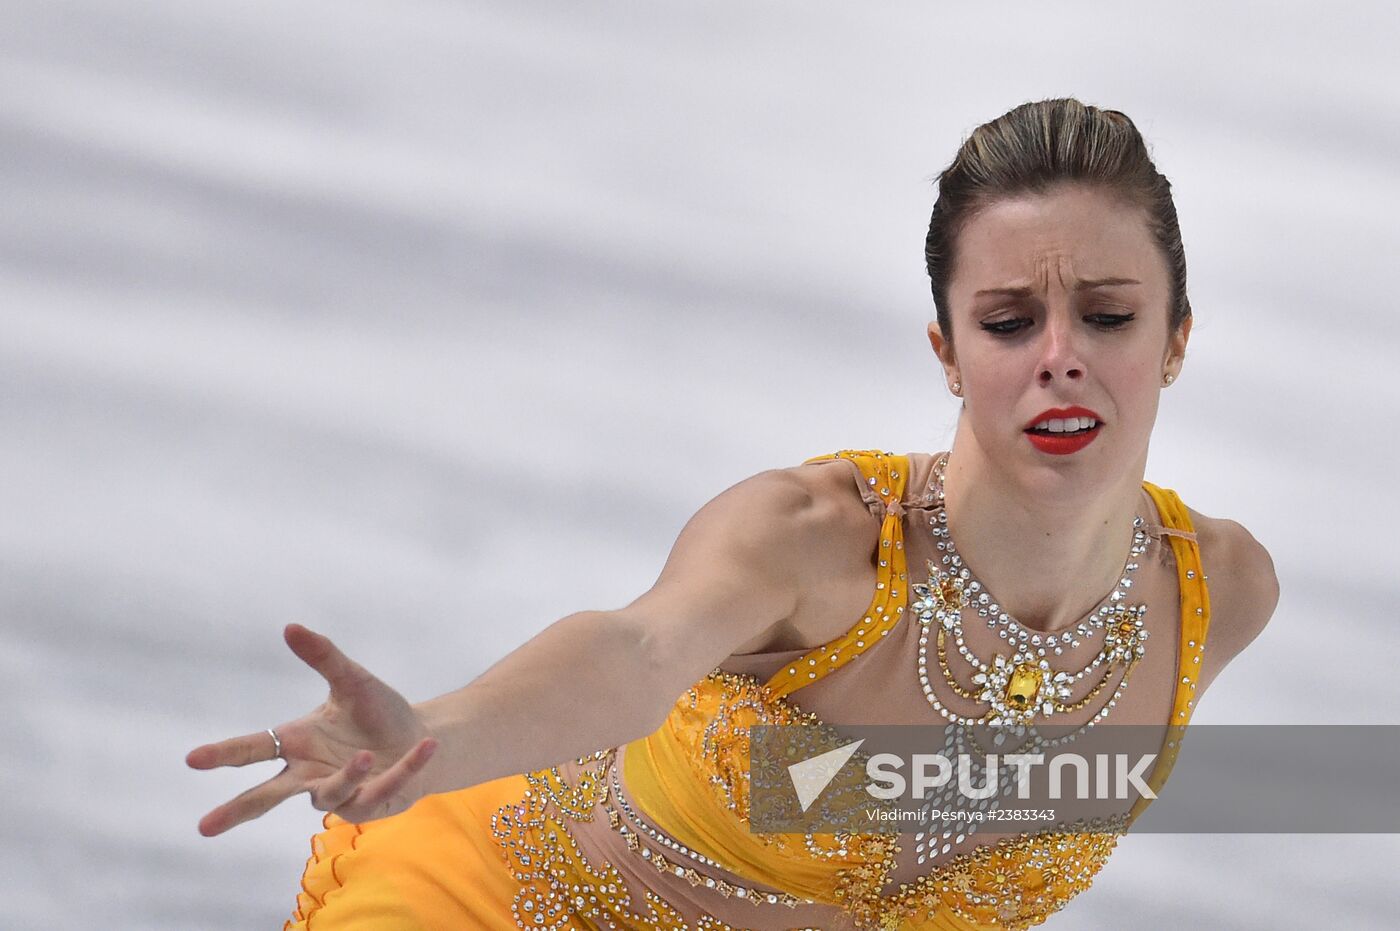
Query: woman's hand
{"points": [[359, 755]]}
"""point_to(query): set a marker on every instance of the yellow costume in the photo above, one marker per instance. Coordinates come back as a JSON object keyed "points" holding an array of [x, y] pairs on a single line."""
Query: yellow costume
{"points": [[655, 834]]}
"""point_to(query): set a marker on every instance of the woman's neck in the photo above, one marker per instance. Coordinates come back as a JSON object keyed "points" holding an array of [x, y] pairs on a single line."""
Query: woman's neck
{"points": [[1048, 546]]}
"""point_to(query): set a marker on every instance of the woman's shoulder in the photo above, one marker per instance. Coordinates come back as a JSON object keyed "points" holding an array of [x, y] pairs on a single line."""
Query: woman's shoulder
{"points": [[802, 529], [1242, 585], [810, 518], [837, 503]]}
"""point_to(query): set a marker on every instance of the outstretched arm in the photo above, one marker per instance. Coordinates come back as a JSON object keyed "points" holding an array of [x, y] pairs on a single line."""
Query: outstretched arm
{"points": [[602, 678], [591, 680]]}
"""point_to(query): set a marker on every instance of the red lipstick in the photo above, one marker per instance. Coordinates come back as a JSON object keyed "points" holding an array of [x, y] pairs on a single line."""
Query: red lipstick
{"points": [[1062, 444]]}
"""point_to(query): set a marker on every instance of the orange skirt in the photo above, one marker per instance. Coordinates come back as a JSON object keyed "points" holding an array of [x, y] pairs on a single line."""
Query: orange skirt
{"points": [[434, 866]]}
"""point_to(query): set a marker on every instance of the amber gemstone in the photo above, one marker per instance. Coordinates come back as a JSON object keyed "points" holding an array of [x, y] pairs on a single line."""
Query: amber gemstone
{"points": [[1023, 686], [949, 592]]}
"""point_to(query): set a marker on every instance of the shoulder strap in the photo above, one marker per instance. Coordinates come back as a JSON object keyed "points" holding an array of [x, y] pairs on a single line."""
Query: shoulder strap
{"points": [[1195, 625], [883, 476], [1195, 597]]}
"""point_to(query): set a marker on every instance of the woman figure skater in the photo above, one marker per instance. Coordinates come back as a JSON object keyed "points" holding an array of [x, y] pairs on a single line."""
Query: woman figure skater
{"points": [[808, 594]]}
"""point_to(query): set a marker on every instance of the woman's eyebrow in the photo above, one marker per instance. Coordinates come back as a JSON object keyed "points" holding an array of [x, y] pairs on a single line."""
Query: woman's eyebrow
{"points": [[1008, 292], [1084, 284]]}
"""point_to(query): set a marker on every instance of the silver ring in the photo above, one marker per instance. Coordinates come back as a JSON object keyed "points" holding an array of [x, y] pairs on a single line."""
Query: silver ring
{"points": [[276, 743]]}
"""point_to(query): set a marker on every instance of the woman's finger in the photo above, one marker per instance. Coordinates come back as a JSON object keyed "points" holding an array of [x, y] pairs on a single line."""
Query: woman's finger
{"points": [[251, 804], [317, 651], [330, 793], [366, 804], [236, 751]]}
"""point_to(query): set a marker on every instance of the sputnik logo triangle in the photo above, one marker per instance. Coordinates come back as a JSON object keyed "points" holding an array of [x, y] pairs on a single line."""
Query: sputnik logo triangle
{"points": [[814, 774]]}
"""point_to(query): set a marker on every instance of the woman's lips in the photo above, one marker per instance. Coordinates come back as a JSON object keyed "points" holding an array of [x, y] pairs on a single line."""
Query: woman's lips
{"points": [[1062, 444], [1061, 413]]}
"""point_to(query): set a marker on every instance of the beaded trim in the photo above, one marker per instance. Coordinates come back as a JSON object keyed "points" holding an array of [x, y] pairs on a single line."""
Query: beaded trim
{"points": [[734, 704], [657, 859], [885, 473], [1014, 883], [578, 801], [558, 886]]}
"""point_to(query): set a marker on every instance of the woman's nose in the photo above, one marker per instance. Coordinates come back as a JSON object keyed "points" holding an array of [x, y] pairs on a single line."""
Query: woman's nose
{"points": [[1060, 355]]}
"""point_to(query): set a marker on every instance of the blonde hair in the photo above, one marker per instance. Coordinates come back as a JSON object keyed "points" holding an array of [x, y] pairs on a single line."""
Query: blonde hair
{"points": [[1038, 145]]}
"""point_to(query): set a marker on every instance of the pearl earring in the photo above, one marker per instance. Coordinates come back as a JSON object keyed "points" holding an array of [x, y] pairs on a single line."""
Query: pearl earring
{"points": [[957, 388], [1168, 379]]}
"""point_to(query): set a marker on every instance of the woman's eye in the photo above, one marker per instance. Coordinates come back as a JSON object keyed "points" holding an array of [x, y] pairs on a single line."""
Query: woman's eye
{"points": [[1016, 324], [1005, 327]]}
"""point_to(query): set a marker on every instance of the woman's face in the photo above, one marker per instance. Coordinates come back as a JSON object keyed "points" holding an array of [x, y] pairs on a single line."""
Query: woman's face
{"points": [[1060, 300]]}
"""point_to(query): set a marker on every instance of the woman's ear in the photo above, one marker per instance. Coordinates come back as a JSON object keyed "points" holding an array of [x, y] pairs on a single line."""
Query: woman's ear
{"points": [[943, 348], [1176, 349]]}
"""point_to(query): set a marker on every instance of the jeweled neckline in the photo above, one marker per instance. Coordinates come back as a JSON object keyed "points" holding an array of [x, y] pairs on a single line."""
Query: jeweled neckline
{"points": [[981, 600]]}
